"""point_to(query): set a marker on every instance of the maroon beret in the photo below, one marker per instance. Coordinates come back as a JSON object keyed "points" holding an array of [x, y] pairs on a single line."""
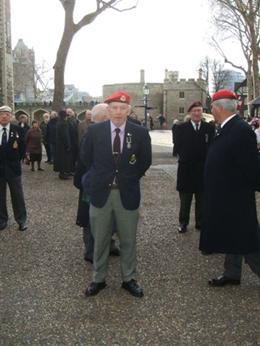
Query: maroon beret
{"points": [[195, 104], [223, 94], [118, 96]]}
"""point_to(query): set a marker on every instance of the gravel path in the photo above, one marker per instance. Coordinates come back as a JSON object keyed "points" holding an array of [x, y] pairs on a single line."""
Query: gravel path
{"points": [[43, 277]]}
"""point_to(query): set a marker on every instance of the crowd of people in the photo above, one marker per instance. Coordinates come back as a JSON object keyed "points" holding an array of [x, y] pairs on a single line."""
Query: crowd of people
{"points": [[109, 152]]}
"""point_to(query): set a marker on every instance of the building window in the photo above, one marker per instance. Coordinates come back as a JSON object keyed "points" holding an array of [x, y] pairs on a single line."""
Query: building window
{"points": [[181, 94], [181, 110]]}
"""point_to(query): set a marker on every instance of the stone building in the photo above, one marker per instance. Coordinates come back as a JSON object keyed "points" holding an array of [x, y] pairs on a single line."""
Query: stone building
{"points": [[170, 98], [6, 65], [24, 73]]}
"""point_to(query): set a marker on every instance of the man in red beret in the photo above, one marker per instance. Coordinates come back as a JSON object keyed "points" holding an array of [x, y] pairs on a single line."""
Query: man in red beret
{"points": [[116, 154], [192, 140], [231, 178]]}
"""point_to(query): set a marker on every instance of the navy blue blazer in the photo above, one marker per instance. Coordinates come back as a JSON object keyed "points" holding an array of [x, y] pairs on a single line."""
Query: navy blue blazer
{"points": [[11, 154], [96, 155]]}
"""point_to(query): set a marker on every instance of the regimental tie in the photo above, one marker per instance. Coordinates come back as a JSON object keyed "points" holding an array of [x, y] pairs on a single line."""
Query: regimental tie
{"points": [[116, 145], [4, 137], [197, 127]]}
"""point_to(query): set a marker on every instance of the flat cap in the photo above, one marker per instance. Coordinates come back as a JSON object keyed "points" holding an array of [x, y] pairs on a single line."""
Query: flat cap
{"points": [[195, 104], [223, 94], [5, 109], [118, 96]]}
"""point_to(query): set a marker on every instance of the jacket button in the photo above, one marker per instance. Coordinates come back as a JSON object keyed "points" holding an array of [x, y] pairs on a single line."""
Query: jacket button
{"points": [[109, 185], [117, 171]]}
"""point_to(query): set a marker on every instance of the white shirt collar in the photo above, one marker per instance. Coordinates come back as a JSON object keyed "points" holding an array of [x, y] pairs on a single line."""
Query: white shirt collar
{"points": [[7, 127], [194, 124], [226, 120], [113, 126]]}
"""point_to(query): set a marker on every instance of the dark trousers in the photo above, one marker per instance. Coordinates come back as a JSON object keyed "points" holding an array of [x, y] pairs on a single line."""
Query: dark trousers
{"points": [[185, 205], [233, 265], [17, 198], [48, 152]]}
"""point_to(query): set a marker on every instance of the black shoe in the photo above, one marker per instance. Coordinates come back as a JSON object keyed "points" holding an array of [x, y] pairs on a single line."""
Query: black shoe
{"points": [[22, 227], [223, 281], [40, 169], [182, 228], [88, 259], [206, 253], [133, 288], [114, 252], [63, 176], [94, 288], [3, 226]]}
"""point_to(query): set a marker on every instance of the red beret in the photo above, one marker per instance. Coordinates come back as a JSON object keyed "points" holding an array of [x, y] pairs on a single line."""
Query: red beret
{"points": [[224, 94], [195, 104], [118, 96]]}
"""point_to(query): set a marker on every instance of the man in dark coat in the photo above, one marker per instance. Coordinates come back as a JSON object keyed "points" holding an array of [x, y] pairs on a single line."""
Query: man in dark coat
{"points": [[192, 140], [73, 123], [230, 222], [11, 151], [43, 127], [63, 152], [51, 134], [117, 154]]}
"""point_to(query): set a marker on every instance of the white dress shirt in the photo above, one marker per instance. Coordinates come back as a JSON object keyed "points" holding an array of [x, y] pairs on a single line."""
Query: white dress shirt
{"points": [[121, 134], [2, 131], [194, 125]]}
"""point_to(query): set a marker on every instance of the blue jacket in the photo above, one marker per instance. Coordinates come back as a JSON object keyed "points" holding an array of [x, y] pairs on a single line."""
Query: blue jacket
{"points": [[96, 155]]}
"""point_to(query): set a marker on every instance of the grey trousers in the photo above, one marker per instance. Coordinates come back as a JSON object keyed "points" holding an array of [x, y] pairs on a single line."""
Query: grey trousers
{"points": [[233, 265], [89, 243], [17, 198], [101, 227]]}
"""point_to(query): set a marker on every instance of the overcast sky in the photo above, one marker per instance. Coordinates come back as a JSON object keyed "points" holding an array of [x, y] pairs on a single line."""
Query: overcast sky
{"points": [[170, 34]]}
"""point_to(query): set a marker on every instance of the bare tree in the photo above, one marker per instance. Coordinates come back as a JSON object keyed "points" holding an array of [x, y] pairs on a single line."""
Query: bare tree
{"points": [[241, 19], [70, 29], [219, 75]]}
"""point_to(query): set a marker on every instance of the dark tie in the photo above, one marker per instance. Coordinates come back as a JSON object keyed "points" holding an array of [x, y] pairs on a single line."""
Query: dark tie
{"points": [[197, 126], [4, 137], [117, 144]]}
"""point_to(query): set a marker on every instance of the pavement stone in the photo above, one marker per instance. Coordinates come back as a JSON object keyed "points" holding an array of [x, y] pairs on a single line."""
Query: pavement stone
{"points": [[43, 276]]}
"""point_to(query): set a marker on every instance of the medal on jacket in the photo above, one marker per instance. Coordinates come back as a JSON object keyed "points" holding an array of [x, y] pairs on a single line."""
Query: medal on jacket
{"points": [[128, 140], [132, 160], [15, 145]]}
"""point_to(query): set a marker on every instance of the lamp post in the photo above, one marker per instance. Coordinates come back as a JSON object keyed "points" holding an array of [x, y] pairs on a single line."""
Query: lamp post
{"points": [[146, 93]]}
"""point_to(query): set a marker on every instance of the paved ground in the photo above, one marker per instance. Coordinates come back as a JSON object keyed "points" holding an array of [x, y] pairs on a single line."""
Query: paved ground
{"points": [[43, 276]]}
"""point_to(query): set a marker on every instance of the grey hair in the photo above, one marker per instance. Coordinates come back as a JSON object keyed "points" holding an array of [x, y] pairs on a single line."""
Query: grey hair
{"points": [[229, 105], [99, 112]]}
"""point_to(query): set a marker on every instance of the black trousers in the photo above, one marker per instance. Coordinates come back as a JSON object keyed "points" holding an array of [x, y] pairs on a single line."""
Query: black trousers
{"points": [[233, 265], [185, 205], [17, 198]]}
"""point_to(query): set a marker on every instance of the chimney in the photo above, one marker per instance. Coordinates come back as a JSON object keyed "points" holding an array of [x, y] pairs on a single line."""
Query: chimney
{"points": [[142, 78]]}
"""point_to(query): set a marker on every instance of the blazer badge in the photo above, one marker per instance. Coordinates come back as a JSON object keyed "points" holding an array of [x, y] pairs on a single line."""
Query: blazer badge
{"points": [[129, 140], [132, 160]]}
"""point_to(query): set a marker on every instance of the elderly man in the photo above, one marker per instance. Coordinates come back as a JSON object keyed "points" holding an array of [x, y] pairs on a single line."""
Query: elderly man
{"points": [[117, 154], [192, 140], [99, 113], [11, 151], [43, 127], [73, 134], [83, 125], [230, 223]]}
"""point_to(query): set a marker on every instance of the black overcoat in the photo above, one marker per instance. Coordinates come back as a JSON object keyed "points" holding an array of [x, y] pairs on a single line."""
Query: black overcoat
{"points": [[230, 222], [63, 152], [191, 147]]}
